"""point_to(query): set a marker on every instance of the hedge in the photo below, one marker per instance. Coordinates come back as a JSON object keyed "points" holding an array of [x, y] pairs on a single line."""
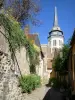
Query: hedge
{"points": [[29, 82]]}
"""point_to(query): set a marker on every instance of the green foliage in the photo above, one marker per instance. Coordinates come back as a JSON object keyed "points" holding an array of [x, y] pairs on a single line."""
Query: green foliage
{"points": [[16, 37], [29, 82], [54, 82], [23, 10], [1, 3], [60, 63], [33, 57], [33, 54], [13, 31], [57, 63], [34, 61], [14, 34], [32, 69], [65, 50], [65, 53]]}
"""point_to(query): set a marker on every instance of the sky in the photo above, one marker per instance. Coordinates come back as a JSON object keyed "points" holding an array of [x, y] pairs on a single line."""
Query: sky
{"points": [[66, 18]]}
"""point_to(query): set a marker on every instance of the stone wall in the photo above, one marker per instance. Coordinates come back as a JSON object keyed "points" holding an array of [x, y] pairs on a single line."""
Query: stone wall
{"points": [[20, 55], [9, 86], [46, 73], [8, 81], [3, 41], [23, 61]]}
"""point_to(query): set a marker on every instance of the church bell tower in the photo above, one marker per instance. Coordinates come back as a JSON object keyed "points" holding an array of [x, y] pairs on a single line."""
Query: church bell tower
{"points": [[55, 38]]}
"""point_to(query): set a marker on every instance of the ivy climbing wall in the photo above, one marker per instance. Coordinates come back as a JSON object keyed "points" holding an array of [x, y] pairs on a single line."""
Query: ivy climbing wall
{"points": [[3, 41], [21, 56]]}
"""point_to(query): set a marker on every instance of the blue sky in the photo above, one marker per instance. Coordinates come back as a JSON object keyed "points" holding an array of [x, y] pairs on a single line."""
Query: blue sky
{"points": [[66, 18]]}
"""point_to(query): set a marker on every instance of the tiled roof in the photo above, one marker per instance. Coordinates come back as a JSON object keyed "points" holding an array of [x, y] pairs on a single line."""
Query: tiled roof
{"points": [[34, 38]]}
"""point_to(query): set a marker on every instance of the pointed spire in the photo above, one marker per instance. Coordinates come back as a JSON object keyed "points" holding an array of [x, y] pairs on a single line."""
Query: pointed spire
{"points": [[55, 17]]}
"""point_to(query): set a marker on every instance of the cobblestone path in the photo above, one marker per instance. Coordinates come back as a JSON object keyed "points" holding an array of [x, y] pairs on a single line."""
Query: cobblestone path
{"points": [[37, 94]]}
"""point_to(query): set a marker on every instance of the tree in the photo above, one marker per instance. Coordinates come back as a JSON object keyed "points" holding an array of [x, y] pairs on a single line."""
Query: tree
{"points": [[57, 63], [22, 10], [60, 63], [65, 53], [1, 3]]}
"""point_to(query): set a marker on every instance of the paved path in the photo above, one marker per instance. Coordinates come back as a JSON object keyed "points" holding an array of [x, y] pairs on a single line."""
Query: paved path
{"points": [[54, 94], [45, 93], [37, 94]]}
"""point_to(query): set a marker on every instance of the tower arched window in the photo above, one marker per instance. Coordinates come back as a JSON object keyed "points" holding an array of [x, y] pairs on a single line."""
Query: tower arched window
{"points": [[60, 43], [54, 43]]}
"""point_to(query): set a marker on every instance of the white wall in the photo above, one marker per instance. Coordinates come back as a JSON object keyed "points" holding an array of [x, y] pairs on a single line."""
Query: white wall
{"points": [[57, 42], [40, 67]]}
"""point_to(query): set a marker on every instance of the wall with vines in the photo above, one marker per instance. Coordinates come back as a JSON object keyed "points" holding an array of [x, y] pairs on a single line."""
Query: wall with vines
{"points": [[17, 39]]}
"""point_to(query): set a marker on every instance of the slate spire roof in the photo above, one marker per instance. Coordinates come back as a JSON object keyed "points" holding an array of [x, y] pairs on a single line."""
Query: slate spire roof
{"points": [[55, 18], [56, 27]]}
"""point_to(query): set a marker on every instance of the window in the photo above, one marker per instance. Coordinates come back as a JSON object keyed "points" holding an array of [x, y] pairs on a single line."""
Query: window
{"points": [[60, 43], [54, 42], [50, 43]]}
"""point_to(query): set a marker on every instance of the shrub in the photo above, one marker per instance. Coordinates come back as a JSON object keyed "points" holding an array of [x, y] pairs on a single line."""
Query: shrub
{"points": [[54, 82], [29, 82]]}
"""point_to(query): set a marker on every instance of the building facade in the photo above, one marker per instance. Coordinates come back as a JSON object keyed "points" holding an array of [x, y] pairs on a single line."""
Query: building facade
{"points": [[55, 43], [71, 63], [34, 38]]}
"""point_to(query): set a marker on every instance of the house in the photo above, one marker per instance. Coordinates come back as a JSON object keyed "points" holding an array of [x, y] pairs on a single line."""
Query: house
{"points": [[34, 38], [71, 63]]}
